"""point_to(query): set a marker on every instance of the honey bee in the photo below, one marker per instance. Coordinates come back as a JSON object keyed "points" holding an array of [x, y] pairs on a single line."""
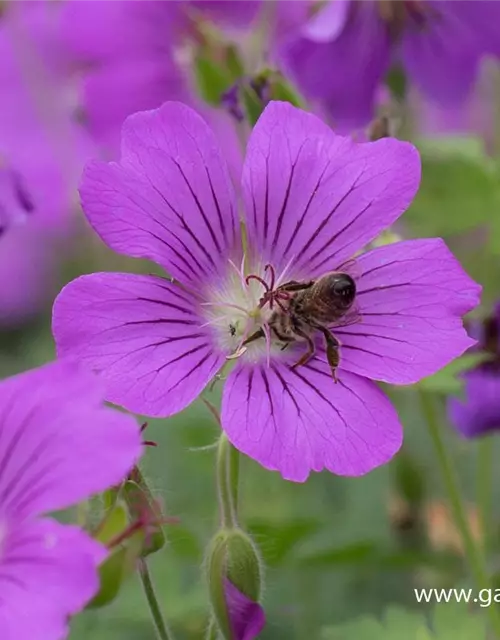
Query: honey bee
{"points": [[304, 309]]}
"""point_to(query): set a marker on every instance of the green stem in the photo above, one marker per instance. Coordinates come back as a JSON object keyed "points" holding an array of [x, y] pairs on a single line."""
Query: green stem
{"points": [[472, 550], [485, 487], [227, 481], [162, 631]]}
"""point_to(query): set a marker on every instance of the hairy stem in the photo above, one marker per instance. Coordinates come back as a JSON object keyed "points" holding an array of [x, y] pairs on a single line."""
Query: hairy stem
{"points": [[161, 628], [227, 481]]}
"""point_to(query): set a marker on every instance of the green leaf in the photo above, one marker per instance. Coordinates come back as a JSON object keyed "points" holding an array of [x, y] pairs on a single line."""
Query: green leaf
{"points": [[447, 380], [142, 505], [356, 553], [115, 569], [450, 621], [278, 540], [409, 478], [234, 63], [113, 524], [211, 79], [281, 89], [252, 103], [456, 194], [369, 554]]}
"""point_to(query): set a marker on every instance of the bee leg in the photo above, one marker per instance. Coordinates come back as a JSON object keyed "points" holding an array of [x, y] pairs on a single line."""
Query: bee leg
{"points": [[254, 336], [293, 285], [332, 352], [311, 350]]}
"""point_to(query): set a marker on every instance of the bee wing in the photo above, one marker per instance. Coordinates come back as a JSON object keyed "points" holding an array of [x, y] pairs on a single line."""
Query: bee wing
{"points": [[352, 316], [351, 267]]}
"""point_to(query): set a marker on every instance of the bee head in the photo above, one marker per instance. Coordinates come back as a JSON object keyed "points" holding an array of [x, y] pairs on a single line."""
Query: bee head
{"points": [[341, 290]]}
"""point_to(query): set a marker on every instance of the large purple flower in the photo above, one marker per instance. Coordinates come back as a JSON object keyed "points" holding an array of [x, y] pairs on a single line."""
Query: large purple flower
{"points": [[439, 43], [479, 412], [311, 200], [58, 445]]}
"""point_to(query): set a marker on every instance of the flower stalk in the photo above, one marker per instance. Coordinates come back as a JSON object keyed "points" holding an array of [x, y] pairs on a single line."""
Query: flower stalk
{"points": [[162, 631], [473, 552], [227, 482], [485, 488]]}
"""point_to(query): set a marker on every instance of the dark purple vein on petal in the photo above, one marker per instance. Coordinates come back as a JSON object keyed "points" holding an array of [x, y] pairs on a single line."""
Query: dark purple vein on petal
{"points": [[199, 207], [184, 226], [285, 203], [335, 237], [300, 222]]}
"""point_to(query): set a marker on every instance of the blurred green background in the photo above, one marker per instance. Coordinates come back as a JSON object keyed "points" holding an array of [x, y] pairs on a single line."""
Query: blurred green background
{"points": [[333, 548]]}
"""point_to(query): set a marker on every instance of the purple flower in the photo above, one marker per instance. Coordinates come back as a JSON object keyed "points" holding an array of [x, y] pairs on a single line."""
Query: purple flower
{"points": [[439, 43], [312, 199], [42, 155], [126, 53], [247, 618], [15, 202], [479, 412], [58, 445]]}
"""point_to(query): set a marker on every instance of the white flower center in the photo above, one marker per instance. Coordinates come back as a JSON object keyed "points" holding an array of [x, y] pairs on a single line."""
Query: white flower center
{"points": [[241, 306]]}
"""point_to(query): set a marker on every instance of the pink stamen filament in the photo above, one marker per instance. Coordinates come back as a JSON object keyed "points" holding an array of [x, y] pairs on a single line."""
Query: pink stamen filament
{"points": [[259, 279], [270, 268]]}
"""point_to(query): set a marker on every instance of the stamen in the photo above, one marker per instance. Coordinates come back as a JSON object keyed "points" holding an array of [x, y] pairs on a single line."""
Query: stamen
{"points": [[270, 268], [224, 305], [285, 271], [240, 271], [237, 354], [259, 279], [267, 334], [214, 321]]}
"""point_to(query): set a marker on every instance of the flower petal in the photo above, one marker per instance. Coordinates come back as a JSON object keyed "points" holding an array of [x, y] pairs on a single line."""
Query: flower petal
{"points": [[479, 412], [170, 199], [58, 444], [411, 296], [48, 572], [328, 23], [344, 72], [236, 15], [247, 617], [298, 420], [442, 58], [120, 87], [142, 334], [314, 198]]}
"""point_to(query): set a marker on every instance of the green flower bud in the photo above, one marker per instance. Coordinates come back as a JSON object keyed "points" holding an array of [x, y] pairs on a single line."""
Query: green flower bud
{"points": [[231, 556]]}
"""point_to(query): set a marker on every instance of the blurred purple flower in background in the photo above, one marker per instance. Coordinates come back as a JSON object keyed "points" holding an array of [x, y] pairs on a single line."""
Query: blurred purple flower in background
{"points": [[131, 55], [479, 412], [312, 199], [15, 202], [340, 58], [475, 117], [58, 445], [42, 151], [247, 618], [125, 51]]}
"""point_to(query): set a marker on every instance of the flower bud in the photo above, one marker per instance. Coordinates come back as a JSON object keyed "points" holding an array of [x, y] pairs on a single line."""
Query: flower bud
{"points": [[234, 576]]}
